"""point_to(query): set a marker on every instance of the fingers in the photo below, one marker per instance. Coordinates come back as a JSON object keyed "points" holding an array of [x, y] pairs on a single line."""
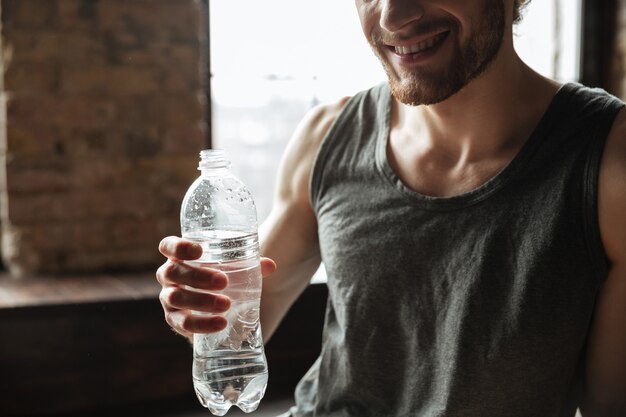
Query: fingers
{"points": [[178, 304], [176, 273], [181, 282], [186, 323], [175, 247], [268, 266], [177, 298]]}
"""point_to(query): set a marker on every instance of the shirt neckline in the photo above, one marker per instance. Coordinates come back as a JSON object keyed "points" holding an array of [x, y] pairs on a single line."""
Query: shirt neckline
{"points": [[483, 191]]}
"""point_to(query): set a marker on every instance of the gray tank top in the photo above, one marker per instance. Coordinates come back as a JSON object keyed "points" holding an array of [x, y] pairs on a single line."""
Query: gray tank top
{"points": [[475, 305]]}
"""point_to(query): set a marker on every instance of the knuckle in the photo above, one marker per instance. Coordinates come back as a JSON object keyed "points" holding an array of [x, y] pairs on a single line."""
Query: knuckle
{"points": [[170, 297], [162, 272], [163, 298], [172, 320], [169, 271], [187, 323], [168, 318]]}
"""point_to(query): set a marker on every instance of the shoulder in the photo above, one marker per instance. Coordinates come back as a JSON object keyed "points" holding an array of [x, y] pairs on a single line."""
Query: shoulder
{"points": [[612, 191], [299, 156], [316, 123]]}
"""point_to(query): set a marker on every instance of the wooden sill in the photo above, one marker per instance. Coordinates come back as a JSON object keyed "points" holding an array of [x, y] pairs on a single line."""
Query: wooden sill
{"points": [[65, 290], [83, 344]]}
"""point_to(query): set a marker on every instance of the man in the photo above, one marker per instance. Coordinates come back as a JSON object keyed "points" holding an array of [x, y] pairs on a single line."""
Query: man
{"points": [[470, 215]]}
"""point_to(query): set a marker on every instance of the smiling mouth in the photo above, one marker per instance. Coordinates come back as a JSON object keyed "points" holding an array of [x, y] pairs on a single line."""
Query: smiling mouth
{"points": [[421, 46]]}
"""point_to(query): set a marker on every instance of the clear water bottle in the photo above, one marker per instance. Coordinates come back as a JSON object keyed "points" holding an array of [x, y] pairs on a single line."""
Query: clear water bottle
{"points": [[218, 212]]}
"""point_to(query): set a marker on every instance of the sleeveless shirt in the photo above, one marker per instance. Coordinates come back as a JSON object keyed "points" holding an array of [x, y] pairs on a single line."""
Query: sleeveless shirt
{"points": [[476, 305]]}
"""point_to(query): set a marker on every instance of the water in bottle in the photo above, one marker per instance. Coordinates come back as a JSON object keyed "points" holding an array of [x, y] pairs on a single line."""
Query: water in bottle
{"points": [[229, 367]]}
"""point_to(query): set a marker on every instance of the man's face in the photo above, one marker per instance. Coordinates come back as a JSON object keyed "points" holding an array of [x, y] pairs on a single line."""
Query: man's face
{"points": [[431, 49]]}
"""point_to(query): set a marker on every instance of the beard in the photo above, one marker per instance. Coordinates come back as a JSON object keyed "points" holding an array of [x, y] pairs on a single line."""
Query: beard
{"points": [[421, 86]]}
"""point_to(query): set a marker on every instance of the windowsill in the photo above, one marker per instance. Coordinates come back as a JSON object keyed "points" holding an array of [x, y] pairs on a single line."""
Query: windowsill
{"points": [[83, 289], [78, 289], [66, 329]]}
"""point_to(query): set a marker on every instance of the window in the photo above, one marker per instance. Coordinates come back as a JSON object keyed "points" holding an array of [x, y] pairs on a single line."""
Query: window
{"points": [[548, 38], [267, 71]]}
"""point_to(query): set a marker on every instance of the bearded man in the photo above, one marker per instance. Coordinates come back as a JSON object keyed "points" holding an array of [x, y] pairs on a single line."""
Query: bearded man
{"points": [[470, 216]]}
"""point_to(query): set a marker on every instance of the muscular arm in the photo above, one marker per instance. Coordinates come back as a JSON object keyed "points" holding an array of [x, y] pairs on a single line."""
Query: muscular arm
{"points": [[605, 394], [289, 235]]}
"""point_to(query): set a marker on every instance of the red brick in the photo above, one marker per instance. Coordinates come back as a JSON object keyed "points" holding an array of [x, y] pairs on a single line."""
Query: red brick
{"points": [[176, 170], [110, 143], [74, 48], [160, 110], [182, 109], [76, 14], [29, 14], [130, 233], [90, 143], [37, 174], [168, 224], [138, 111], [26, 138], [144, 21], [90, 234], [42, 207], [98, 172], [115, 259], [164, 54], [178, 81], [137, 202], [30, 78], [185, 139], [62, 111], [110, 81]]}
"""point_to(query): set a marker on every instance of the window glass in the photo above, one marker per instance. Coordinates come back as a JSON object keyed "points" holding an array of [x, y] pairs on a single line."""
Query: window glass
{"points": [[548, 38]]}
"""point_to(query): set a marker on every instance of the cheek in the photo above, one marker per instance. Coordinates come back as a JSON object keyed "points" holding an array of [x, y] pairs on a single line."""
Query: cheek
{"points": [[368, 17]]}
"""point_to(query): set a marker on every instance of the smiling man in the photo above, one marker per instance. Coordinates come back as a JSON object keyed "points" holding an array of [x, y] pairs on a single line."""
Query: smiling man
{"points": [[470, 215]]}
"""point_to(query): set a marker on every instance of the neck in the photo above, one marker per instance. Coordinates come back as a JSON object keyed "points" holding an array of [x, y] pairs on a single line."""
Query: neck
{"points": [[456, 145], [496, 111]]}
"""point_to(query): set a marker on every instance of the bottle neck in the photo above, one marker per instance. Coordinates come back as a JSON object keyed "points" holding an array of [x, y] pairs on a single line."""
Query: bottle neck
{"points": [[213, 160]]}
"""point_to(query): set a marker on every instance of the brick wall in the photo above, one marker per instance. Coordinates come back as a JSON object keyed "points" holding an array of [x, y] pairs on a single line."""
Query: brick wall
{"points": [[618, 70], [101, 121]]}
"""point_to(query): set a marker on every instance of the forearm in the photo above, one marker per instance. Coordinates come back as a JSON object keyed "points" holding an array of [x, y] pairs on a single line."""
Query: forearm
{"points": [[605, 387], [277, 299], [289, 237]]}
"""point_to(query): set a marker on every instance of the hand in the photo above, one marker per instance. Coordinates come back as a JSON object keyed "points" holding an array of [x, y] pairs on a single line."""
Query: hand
{"points": [[178, 301]]}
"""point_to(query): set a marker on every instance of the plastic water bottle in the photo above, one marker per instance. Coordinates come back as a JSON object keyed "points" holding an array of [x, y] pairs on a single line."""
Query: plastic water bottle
{"points": [[218, 212]]}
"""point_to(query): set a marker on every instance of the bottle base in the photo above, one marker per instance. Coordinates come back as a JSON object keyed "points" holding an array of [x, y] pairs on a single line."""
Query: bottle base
{"points": [[219, 403]]}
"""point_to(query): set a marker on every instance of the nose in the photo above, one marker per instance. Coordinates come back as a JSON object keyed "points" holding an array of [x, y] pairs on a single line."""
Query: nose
{"points": [[395, 14]]}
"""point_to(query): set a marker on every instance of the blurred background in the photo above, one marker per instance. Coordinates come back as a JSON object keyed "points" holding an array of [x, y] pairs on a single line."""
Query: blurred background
{"points": [[104, 106]]}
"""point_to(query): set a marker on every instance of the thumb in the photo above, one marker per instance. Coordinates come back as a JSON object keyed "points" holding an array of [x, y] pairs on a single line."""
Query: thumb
{"points": [[268, 267]]}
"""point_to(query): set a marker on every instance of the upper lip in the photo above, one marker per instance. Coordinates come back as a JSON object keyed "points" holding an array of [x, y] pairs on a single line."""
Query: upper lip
{"points": [[419, 44], [416, 39]]}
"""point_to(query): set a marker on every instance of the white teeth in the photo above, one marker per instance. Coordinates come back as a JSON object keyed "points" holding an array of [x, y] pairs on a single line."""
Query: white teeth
{"points": [[420, 46]]}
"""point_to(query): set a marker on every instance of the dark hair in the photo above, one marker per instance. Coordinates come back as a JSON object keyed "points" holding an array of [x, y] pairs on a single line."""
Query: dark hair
{"points": [[518, 6]]}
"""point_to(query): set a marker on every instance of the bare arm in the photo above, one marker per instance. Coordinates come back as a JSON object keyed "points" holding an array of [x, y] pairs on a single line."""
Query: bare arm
{"points": [[605, 394], [289, 236]]}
